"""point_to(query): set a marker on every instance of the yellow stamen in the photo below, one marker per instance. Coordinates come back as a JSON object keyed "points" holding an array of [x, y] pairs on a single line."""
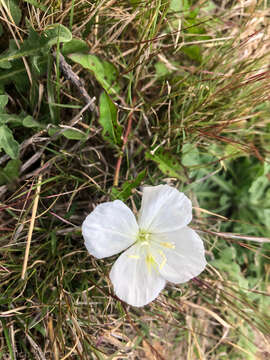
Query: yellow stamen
{"points": [[164, 259], [134, 256], [150, 262], [168, 245]]}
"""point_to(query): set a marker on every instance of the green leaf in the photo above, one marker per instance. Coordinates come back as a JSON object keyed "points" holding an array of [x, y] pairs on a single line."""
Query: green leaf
{"points": [[5, 65], [71, 134], [8, 143], [126, 190], [161, 70], [193, 52], [52, 130], [74, 46], [3, 102], [10, 172], [175, 5], [229, 264], [29, 122], [190, 155], [112, 131], [37, 4], [14, 10], [104, 72], [18, 120], [258, 187], [14, 74], [36, 44], [57, 33], [9, 118], [167, 164], [74, 134]]}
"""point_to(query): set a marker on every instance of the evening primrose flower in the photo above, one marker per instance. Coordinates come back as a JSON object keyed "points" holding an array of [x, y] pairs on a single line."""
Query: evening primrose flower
{"points": [[159, 245]]}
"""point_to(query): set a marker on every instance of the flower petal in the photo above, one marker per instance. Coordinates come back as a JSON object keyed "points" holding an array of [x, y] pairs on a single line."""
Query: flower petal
{"points": [[164, 209], [109, 229], [186, 260], [134, 280]]}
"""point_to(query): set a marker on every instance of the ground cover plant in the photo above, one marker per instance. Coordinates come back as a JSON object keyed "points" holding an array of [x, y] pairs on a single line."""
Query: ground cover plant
{"points": [[98, 98]]}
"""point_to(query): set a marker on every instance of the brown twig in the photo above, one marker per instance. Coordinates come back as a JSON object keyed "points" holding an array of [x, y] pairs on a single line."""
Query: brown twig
{"points": [[69, 74], [119, 161]]}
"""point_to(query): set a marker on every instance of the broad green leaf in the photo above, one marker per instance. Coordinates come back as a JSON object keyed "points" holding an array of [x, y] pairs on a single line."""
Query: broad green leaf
{"points": [[10, 172], [29, 122], [167, 164], [112, 131], [8, 143], [104, 72], [73, 134], [3, 102], [126, 189], [57, 33], [74, 46]]}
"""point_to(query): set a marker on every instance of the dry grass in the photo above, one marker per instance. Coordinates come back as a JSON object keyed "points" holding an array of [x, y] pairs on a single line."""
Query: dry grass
{"points": [[56, 301]]}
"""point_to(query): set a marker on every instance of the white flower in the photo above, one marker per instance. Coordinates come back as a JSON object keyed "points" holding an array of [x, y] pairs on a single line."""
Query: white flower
{"points": [[160, 246]]}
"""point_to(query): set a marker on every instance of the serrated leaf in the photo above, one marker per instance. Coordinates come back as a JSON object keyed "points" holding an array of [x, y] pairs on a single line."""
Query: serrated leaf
{"points": [[126, 189], [167, 164], [112, 131], [104, 72], [8, 143]]}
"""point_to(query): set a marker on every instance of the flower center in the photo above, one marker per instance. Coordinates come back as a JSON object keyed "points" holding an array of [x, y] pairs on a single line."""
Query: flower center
{"points": [[143, 237], [153, 251]]}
